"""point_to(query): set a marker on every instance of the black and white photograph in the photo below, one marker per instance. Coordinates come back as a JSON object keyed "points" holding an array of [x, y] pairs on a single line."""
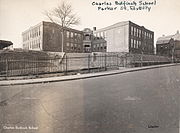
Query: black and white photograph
{"points": [[89, 66]]}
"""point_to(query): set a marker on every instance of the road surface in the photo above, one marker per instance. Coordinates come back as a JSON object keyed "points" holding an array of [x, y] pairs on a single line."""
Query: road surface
{"points": [[137, 102]]}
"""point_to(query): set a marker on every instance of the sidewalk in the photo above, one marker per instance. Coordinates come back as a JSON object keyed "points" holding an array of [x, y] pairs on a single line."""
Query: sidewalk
{"points": [[78, 76]]}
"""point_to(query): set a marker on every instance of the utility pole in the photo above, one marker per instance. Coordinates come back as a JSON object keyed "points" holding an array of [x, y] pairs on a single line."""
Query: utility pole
{"points": [[172, 51], [62, 45]]}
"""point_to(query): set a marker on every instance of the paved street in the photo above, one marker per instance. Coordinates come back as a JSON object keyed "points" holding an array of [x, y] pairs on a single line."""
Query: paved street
{"points": [[137, 102]]}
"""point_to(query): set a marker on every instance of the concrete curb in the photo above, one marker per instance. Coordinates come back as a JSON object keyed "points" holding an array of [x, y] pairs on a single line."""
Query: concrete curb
{"points": [[77, 77]]}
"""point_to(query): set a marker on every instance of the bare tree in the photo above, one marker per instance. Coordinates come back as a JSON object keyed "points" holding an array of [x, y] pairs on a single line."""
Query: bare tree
{"points": [[62, 15]]}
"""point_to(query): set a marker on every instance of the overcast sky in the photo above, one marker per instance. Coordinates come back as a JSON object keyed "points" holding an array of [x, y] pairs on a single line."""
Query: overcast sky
{"points": [[18, 15]]}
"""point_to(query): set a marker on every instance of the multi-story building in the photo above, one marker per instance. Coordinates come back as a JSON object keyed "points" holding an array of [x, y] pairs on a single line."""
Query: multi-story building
{"points": [[99, 45], [87, 40], [127, 36], [47, 36], [92, 43], [169, 45]]}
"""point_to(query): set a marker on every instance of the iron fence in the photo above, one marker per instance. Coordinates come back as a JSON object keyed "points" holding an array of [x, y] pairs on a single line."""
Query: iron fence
{"points": [[77, 64], [9, 67]]}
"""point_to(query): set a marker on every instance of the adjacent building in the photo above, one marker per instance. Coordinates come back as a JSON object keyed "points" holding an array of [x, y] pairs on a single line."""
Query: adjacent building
{"points": [[127, 36], [99, 44], [87, 40], [169, 45], [47, 36], [92, 43], [4, 44], [120, 37]]}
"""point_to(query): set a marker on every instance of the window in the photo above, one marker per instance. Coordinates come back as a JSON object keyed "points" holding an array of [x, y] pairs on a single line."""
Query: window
{"points": [[30, 34], [137, 44], [134, 44], [139, 33], [78, 37], [87, 37], [35, 33], [53, 31], [67, 44], [98, 35], [131, 30], [71, 34], [105, 34], [101, 34], [134, 31], [75, 35], [39, 31], [131, 43], [67, 34]]}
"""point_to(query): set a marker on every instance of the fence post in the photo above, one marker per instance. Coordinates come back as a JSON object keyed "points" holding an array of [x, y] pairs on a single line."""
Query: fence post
{"points": [[117, 61], [37, 66], [6, 67], [122, 61], [89, 63], [105, 62], [134, 60], [66, 63], [126, 60], [141, 60]]}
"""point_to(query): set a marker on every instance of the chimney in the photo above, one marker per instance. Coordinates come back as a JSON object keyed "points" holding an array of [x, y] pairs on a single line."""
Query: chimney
{"points": [[177, 32], [94, 28]]}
